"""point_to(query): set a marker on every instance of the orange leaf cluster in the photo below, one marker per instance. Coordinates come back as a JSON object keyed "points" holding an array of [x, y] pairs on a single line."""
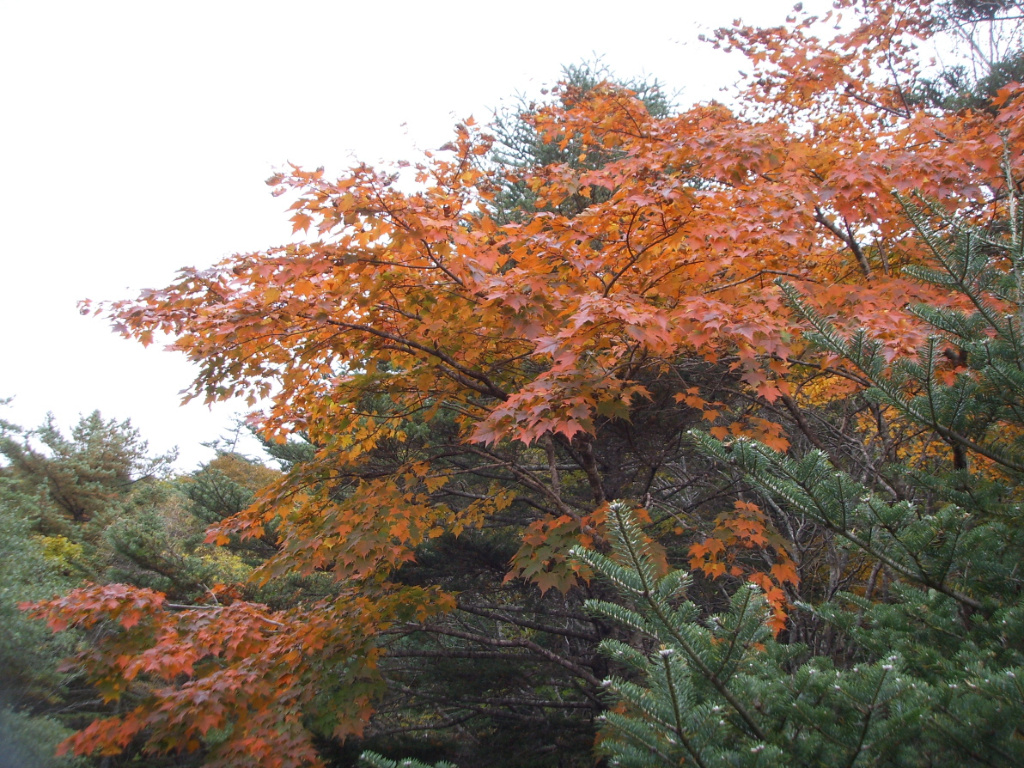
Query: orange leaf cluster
{"points": [[238, 668], [741, 532]]}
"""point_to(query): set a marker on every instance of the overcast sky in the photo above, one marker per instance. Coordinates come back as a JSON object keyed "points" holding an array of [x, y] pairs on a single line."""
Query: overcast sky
{"points": [[136, 138]]}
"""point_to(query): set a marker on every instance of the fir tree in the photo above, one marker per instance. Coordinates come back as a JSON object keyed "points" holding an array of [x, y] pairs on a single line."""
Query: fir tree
{"points": [[932, 667]]}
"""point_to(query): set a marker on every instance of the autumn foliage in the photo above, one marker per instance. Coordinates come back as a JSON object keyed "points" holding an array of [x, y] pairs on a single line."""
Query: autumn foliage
{"points": [[458, 371]]}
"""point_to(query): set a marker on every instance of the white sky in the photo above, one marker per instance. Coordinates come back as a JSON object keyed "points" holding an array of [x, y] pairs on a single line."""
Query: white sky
{"points": [[135, 138]]}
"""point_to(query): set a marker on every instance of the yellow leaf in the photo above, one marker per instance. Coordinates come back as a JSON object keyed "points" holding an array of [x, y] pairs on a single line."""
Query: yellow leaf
{"points": [[434, 483]]}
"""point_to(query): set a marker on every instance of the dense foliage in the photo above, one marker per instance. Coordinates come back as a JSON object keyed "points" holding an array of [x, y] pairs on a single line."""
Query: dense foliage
{"points": [[97, 507], [697, 433], [928, 665]]}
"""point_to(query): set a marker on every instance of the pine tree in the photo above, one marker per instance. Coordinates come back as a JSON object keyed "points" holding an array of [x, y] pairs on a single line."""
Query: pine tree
{"points": [[33, 689], [521, 145]]}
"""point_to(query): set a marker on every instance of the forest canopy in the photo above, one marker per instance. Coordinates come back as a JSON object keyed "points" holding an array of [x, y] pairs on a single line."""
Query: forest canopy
{"points": [[607, 431]]}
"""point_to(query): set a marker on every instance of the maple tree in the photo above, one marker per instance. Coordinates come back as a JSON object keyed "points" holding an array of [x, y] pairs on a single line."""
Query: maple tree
{"points": [[474, 382]]}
